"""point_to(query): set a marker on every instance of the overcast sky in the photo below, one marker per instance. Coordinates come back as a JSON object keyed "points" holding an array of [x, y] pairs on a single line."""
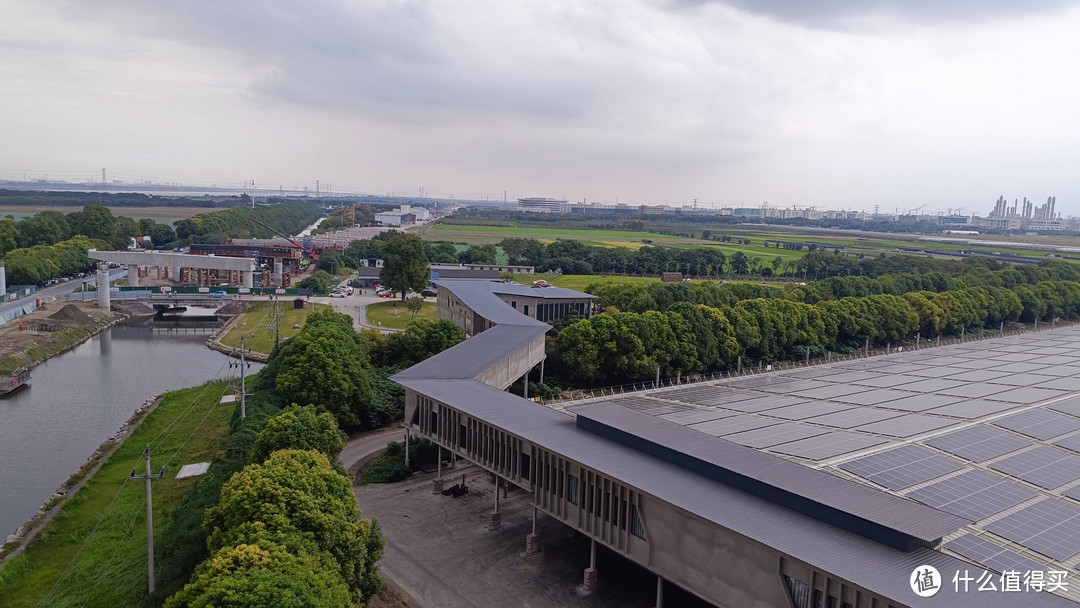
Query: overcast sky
{"points": [[835, 103]]}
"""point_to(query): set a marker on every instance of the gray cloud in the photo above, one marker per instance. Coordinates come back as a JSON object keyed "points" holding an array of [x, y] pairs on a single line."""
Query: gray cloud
{"points": [[838, 12]]}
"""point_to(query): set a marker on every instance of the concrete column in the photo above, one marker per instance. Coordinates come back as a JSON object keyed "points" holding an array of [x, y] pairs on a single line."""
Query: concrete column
{"points": [[659, 592], [406, 448], [437, 483], [133, 275], [588, 583], [532, 541], [542, 371], [3, 278], [103, 286], [245, 279], [175, 276], [496, 516], [277, 272]]}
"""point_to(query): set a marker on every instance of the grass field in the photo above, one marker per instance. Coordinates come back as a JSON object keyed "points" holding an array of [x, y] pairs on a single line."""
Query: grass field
{"points": [[383, 312], [757, 235], [259, 320], [187, 427]]}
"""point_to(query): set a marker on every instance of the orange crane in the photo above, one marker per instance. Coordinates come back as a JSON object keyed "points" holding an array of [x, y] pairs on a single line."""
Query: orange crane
{"points": [[313, 255]]}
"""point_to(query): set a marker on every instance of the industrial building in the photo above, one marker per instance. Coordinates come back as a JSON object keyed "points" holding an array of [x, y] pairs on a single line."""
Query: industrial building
{"points": [[833, 486]]}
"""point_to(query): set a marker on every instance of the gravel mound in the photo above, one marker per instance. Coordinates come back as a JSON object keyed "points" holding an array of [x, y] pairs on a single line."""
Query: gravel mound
{"points": [[71, 314]]}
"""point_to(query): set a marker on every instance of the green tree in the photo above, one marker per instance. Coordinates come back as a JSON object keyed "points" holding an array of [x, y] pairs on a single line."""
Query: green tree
{"points": [[405, 265], [9, 235], [422, 338], [319, 283], [327, 365], [94, 221], [522, 251], [264, 575], [299, 428], [45, 228], [478, 254], [414, 304], [296, 497], [740, 264]]}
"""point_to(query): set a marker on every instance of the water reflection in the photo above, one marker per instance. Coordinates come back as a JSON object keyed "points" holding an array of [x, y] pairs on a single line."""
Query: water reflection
{"points": [[77, 400]]}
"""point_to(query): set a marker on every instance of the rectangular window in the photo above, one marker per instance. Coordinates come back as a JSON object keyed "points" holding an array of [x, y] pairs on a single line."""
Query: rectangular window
{"points": [[635, 523], [524, 465], [572, 489], [800, 592], [526, 310]]}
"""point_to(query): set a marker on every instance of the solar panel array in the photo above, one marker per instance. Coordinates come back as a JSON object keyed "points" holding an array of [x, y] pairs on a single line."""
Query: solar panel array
{"points": [[975, 430], [978, 443], [1043, 466], [902, 467], [973, 494], [992, 555], [1050, 527]]}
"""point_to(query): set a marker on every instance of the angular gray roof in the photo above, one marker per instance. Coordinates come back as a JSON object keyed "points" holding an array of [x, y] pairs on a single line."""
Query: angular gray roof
{"points": [[476, 355], [905, 516]]}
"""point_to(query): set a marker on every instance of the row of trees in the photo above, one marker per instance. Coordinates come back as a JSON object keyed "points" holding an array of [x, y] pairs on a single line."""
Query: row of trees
{"points": [[219, 226], [659, 296], [286, 530], [94, 222], [691, 338], [37, 264]]}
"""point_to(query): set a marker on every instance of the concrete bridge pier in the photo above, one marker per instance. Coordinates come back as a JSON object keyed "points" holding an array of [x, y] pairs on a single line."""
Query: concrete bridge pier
{"points": [[133, 275], [245, 279], [103, 286], [277, 272]]}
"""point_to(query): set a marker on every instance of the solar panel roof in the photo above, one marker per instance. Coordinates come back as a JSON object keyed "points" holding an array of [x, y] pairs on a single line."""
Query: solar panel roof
{"points": [[1043, 466], [1050, 527], [901, 467], [973, 494], [978, 443], [1039, 423], [992, 555]]}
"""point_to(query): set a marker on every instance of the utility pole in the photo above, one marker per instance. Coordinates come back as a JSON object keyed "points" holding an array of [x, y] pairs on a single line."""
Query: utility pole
{"points": [[149, 515], [243, 377]]}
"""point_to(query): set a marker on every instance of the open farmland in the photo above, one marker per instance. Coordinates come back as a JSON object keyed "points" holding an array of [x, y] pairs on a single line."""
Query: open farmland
{"points": [[853, 243]]}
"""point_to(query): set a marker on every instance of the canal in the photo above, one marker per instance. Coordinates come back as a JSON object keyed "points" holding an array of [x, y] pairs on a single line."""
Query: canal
{"points": [[77, 400]]}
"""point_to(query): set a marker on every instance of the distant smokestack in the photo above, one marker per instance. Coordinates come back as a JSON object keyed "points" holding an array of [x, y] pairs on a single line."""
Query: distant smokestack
{"points": [[3, 278]]}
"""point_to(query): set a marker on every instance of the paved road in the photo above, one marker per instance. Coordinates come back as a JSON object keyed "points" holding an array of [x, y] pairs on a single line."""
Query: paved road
{"points": [[365, 445], [57, 291]]}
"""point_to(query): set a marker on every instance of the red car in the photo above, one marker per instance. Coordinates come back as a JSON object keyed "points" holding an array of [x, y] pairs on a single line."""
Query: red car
{"points": [[388, 294]]}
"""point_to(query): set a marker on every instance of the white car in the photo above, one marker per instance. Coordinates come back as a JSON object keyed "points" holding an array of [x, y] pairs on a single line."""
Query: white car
{"points": [[337, 294]]}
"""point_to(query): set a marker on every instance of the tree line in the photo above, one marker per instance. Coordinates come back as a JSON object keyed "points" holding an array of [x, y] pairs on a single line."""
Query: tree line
{"points": [[690, 338], [274, 521], [971, 272]]}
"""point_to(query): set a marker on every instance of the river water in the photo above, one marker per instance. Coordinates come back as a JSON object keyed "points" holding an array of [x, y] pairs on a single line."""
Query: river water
{"points": [[76, 401]]}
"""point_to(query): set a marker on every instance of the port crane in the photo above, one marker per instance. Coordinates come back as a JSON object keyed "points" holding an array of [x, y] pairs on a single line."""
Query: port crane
{"points": [[313, 255]]}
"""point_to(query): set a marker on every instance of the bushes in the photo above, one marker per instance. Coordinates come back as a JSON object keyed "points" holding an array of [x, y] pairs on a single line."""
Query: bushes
{"points": [[390, 467]]}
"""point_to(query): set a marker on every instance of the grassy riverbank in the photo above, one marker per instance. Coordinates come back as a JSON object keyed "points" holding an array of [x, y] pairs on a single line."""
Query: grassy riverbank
{"points": [[109, 569], [259, 320]]}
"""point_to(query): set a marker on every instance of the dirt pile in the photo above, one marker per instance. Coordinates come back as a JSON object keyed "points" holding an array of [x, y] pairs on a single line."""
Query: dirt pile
{"points": [[138, 309], [71, 314]]}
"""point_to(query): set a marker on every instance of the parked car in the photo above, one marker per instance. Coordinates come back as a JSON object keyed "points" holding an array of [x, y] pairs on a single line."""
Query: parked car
{"points": [[429, 293], [337, 294], [387, 294], [219, 294]]}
